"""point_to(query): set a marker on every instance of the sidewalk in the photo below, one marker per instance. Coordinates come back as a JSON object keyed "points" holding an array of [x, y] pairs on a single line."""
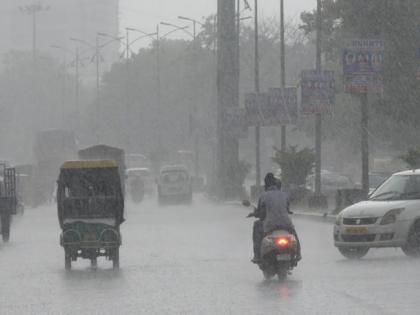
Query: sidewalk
{"points": [[312, 215]]}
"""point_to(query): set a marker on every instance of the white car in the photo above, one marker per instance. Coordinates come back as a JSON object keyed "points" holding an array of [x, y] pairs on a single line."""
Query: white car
{"points": [[389, 218], [174, 185]]}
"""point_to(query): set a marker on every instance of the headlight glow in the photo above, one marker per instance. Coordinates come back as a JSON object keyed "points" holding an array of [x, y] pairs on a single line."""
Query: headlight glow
{"points": [[338, 219]]}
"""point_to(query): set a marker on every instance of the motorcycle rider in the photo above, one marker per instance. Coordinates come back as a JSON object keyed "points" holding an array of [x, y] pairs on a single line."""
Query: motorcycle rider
{"points": [[273, 214]]}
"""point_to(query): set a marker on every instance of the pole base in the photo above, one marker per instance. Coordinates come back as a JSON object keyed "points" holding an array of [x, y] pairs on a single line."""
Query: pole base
{"points": [[318, 202]]}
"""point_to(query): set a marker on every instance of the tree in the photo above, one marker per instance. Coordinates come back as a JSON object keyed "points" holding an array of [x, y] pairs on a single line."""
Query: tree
{"points": [[396, 22], [412, 158], [295, 164]]}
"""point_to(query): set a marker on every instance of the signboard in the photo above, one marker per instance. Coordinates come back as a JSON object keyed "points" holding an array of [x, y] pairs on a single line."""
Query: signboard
{"points": [[363, 63], [236, 122], [286, 104], [318, 91], [272, 108]]}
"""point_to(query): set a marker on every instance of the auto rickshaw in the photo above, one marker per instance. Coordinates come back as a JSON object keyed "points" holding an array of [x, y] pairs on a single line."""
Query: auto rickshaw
{"points": [[90, 210]]}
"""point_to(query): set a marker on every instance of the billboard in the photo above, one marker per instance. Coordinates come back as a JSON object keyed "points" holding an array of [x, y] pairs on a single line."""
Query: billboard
{"points": [[272, 108], [363, 63], [318, 91], [286, 104]]}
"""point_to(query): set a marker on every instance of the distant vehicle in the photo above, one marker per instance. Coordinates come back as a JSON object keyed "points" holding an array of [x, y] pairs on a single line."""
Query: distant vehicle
{"points": [[90, 211], [174, 185], [390, 218], [137, 160], [105, 152], [8, 199], [51, 149], [146, 176], [330, 182]]}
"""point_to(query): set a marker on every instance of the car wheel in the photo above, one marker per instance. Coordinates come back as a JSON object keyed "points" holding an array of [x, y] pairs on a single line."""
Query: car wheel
{"points": [[412, 247], [353, 252]]}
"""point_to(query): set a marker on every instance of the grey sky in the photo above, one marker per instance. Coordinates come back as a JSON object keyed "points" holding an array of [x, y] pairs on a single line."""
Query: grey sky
{"points": [[146, 14]]}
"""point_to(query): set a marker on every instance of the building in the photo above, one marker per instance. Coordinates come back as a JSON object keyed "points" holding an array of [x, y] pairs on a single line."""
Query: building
{"points": [[57, 22]]}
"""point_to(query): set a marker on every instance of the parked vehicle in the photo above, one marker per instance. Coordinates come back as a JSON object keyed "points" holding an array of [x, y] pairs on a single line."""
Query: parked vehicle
{"points": [[174, 185], [145, 175], [278, 252], [90, 211], [390, 218], [8, 199], [330, 183]]}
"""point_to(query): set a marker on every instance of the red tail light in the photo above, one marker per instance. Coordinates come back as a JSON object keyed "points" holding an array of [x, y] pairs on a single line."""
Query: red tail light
{"points": [[283, 242]]}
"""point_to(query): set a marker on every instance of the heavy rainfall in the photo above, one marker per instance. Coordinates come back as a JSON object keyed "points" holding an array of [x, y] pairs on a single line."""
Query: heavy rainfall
{"points": [[209, 157]]}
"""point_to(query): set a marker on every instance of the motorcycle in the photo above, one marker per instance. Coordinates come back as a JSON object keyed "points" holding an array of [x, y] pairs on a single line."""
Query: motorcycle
{"points": [[278, 252]]}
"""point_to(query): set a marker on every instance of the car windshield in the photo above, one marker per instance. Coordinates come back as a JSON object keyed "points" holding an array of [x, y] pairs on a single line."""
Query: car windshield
{"points": [[376, 179], [399, 187], [174, 177]]}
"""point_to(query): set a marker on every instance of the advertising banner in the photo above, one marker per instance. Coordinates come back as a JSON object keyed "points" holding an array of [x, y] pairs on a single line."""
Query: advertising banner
{"points": [[318, 91], [272, 108], [363, 63]]}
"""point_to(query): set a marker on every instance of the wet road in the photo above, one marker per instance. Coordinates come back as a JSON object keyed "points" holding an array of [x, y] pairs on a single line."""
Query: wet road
{"points": [[195, 260]]}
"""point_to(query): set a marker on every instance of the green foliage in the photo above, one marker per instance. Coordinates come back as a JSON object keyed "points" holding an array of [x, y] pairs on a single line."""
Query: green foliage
{"points": [[295, 164], [412, 158], [396, 22]]}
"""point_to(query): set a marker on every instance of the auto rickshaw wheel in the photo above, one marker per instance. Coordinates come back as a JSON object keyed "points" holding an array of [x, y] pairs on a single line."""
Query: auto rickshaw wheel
{"points": [[67, 259], [5, 227], [116, 259]]}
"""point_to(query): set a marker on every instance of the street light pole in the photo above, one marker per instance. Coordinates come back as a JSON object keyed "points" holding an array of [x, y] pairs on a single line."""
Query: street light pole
{"points": [[195, 110], [33, 10], [318, 119], [283, 71], [257, 91], [76, 60]]}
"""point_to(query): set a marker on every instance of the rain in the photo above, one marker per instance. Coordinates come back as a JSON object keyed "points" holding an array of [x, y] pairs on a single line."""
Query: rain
{"points": [[209, 156]]}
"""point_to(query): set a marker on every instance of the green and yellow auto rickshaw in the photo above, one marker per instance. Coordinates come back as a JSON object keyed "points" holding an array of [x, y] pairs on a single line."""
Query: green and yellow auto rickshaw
{"points": [[90, 210]]}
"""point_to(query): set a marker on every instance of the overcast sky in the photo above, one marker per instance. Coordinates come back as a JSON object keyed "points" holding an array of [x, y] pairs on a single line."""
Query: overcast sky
{"points": [[145, 14]]}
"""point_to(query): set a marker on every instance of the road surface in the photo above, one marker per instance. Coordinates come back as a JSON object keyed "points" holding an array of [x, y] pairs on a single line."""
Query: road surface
{"points": [[195, 260]]}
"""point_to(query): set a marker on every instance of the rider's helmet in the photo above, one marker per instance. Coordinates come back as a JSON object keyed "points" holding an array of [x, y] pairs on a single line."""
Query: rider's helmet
{"points": [[269, 180]]}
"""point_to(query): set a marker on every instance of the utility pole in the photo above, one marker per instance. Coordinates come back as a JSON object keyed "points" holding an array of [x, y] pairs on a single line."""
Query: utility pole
{"points": [[77, 81], [158, 83], [283, 72], [365, 142], [318, 117], [228, 97], [97, 57], [257, 91]]}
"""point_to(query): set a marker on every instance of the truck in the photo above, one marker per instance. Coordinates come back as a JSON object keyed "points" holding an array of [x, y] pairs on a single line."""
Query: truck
{"points": [[51, 149]]}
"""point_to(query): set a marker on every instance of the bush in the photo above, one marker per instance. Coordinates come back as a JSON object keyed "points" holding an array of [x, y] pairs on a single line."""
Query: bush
{"points": [[296, 165]]}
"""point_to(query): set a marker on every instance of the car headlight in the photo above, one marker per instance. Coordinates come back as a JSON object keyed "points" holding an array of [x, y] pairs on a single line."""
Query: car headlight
{"points": [[391, 216]]}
